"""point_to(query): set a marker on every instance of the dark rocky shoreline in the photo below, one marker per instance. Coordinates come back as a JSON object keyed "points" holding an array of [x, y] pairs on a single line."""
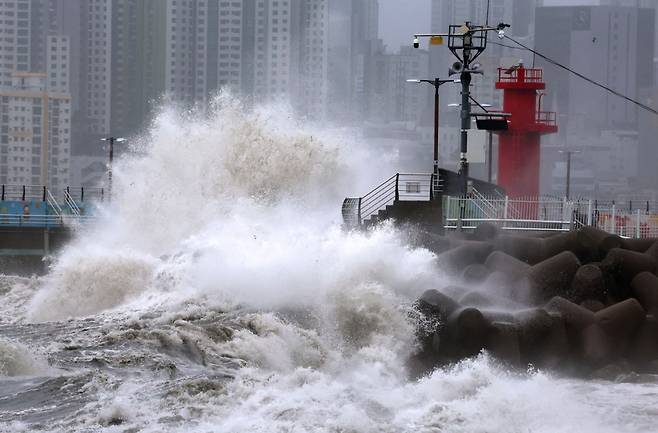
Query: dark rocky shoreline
{"points": [[583, 302]]}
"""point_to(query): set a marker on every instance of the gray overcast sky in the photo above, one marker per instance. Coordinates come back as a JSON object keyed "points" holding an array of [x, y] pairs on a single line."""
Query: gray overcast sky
{"points": [[400, 19]]}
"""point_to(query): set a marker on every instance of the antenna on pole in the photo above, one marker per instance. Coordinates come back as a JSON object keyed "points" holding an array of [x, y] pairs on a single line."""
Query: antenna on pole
{"points": [[488, 5]]}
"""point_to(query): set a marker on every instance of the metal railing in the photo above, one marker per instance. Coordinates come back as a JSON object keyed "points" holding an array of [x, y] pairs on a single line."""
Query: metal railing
{"points": [[39, 193], [72, 205], [546, 117], [399, 187], [17, 220], [520, 75], [547, 214]]}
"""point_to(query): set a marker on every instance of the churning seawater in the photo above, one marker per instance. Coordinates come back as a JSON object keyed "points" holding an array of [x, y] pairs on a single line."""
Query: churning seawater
{"points": [[218, 293]]}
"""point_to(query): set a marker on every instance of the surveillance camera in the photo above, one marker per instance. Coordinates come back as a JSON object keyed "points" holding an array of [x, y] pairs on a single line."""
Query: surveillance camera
{"points": [[501, 34], [416, 42]]}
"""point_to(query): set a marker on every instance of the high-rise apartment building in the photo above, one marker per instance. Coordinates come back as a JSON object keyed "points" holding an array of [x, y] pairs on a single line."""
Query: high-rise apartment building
{"points": [[97, 65], [613, 45], [185, 50], [58, 54], [393, 98], [35, 100], [119, 59], [255, 47], [608, 44], [14, 39], [35, 133], [352, 47], [313, 59]]}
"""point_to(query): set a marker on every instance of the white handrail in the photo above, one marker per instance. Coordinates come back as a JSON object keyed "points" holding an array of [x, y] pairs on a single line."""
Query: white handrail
{"points": [[75, 209], [53, 203]]}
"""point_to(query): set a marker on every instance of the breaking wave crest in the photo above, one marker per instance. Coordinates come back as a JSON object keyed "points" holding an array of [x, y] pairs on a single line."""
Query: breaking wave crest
{"points": [[17, 359], [240, 206]]}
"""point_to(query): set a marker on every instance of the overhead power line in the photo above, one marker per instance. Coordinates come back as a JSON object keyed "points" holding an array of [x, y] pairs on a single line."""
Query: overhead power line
{"points": [[506, 46], [589, 80]]}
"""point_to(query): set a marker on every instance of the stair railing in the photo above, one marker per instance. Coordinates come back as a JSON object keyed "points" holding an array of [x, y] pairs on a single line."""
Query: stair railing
{"points": [[417, 187], [488, 209], [54, 206], [73, 206]]}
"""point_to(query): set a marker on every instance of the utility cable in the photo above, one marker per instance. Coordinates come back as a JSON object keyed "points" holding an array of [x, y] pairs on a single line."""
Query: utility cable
{"points": [[506, 46], [589, 80]]}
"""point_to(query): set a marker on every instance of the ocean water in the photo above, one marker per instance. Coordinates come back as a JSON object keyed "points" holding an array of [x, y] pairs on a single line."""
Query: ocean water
{"points": [[218, 293]]}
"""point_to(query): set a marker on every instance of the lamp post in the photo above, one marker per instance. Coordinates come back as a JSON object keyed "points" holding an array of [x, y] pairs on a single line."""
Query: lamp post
{"points": [[436, 83], [111, 140], [569, 153], [471, 41]]}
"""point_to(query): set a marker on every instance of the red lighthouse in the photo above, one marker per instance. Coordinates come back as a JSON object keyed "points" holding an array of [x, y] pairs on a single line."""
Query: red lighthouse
{"points": [[518, 150]]}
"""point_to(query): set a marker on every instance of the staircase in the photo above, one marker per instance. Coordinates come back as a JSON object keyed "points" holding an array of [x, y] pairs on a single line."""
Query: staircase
{"points": [[405, 197], [70, 202]]}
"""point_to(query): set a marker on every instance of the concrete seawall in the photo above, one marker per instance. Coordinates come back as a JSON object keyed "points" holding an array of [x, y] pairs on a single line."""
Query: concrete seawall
{"points": [[23, 249]]}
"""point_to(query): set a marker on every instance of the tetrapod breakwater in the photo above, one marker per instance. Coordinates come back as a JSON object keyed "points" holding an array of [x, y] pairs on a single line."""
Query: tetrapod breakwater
{"points": [[584, 302]]}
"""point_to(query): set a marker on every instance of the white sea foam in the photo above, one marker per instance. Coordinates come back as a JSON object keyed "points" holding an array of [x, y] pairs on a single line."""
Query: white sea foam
{"points": [[239, 207], [17, 359]]}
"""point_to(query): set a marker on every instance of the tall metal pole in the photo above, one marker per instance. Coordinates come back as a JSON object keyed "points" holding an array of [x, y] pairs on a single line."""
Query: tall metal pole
{"points": [[465, 126], [437, 83], [109, 170], [490, 168], [568, 173]]}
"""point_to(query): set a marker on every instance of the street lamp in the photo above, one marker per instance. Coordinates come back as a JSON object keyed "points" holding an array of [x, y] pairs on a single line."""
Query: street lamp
{"points": [[471, 40], [436, 83], [111, 140], [568, 152]]}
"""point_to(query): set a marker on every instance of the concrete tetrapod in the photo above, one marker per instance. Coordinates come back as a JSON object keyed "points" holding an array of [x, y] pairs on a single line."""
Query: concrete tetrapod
{"points": [[503, 342], [467, 254], [653, 252], [645, 288], [592, 305], [596, 243], [502, 262], [475, 273], [534, 327], [588, 283], [554, 350], [576, 319], [525, 249], [563, 242], [620, 322], [553, 276], [620, 267], [467, 331], [638, 245], [644, 346], [487, 299], [435, 307]]}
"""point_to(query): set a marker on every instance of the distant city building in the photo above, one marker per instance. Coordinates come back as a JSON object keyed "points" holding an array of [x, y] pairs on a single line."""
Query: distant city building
{"points": [[313, 57], [14, 39], [612, 45], [393, 98], [35, 136], [353, 44], [58, 53], [97, 64]]}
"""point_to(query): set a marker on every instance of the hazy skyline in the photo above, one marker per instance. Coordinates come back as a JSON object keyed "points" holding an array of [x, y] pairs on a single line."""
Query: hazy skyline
{"points": [[398, 20]]}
